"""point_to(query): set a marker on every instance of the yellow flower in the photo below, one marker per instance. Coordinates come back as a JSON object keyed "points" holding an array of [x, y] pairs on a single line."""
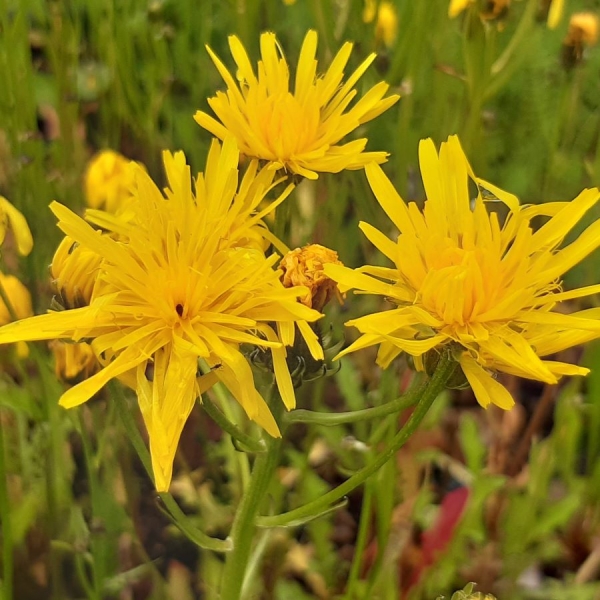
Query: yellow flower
{"points": [[19, 299], [460, 278], [174, 287], [489, 9], [457, 6], [73, 360], [305, 267], [9, 215], [583, 29], [298, 131], [386, 26], [108, 180]]}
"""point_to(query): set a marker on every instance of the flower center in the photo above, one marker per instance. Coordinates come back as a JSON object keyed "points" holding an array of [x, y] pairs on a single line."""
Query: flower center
{"points": [[457, 285], [288, 128]]}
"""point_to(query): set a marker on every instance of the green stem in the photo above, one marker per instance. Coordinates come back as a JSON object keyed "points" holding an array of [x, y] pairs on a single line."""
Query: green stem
{"points": [[173, 511], [361, 543], [435, 385], [93, 483], [242, 531], [505, 65], [246, 442], [331, 419], [5, 519]]}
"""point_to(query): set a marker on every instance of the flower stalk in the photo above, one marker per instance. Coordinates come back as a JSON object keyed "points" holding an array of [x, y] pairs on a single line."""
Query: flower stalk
{"points": [[445, 369], [243, 529]]}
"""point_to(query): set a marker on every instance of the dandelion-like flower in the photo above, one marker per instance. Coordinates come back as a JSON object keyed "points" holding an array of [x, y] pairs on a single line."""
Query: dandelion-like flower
{"points": [[463, 279], [9, 215], [176, 286], [300, 131], [386, 25], [107, 181]]}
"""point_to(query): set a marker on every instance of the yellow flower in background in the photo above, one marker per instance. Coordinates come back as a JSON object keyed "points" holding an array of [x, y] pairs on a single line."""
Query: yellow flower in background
{"points": [[107, 181], [583, 29], [489, 9], [174, 286], [462, 278], [305, 267], [582, 33], [386, 26], [297, 131], [457, 6], [19, 299], [72, 361], [9, 215]]}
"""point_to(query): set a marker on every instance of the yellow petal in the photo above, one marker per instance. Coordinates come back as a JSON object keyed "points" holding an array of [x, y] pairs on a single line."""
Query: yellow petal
{"points": [[486, 389], [18, 225]]}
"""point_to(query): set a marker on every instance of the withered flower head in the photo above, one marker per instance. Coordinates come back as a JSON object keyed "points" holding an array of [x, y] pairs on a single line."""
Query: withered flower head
{"points": [[304, 267]]}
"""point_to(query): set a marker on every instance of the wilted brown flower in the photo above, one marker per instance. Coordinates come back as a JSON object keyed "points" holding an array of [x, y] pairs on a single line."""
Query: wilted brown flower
{"points": [[304, 267]]}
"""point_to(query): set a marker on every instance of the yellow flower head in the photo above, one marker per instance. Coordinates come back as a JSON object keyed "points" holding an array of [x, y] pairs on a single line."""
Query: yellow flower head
{"points": [[457, 6], [19, 299], [298, 131], [583, 29], [176, 286], [108, 180], [462, 278], [9, 215], [72, 361], [74, 270], [386, 26], [304, 267], [489, 9]]}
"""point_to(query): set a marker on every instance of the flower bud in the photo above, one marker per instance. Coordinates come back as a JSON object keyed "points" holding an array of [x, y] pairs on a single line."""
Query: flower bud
{"points": [[74, 270], [108, 180]]}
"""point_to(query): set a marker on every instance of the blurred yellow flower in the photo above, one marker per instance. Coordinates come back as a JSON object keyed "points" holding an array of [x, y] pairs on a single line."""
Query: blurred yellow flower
{"points": [[305, 267], [298, 131], [457, 6], [108, 180], [176, 286], [19, 299], [386, 26], [460, 278], [72, 360], [583, 29], [9, 215], [489, 9]]}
